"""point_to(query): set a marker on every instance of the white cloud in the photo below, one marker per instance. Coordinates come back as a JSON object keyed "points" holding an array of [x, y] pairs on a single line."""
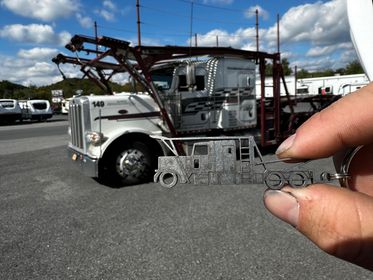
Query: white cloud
{"points": [[318, 23], [125, 11], [348, 56], [37, 53], [85, 21], [109, 16], [109, 5], [326, 50], [34, 67], [108, 11], [210, 38], [45, 10], [34, 33], [27, 71], [251, 12], [120, 78], [63, 38], [306, 32], [242, 38], [313, 65], [313, 37], [313, 30], [288, 55]]}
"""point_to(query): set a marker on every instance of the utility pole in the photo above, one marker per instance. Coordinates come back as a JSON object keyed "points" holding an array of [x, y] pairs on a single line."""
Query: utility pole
{"points": [[138, 23], [295, 79], [191, 22], [96, 38], [278, 33], [257, 29]]}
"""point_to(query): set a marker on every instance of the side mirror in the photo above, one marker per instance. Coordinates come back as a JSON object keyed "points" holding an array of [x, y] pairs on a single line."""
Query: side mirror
{"points": [[133, 84]]}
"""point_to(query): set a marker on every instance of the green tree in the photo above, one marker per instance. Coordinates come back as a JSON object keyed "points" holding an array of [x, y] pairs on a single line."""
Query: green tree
{"points": [[302, 74], [354, 67], [285, 66]]}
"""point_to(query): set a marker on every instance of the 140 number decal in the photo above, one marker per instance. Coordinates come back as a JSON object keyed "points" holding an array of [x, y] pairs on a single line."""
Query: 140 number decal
{"points": [[98, 103]]}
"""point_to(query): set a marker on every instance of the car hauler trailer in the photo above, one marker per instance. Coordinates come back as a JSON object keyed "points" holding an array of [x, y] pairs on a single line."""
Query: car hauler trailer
{"points": [[327, 85], [188, 91]]}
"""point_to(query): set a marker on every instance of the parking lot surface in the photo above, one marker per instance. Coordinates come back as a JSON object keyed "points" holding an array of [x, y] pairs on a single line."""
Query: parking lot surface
{"points": [[58, 224]]}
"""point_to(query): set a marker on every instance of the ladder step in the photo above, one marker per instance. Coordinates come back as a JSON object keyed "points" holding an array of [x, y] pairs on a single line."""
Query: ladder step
{"points": [[270, 142]]}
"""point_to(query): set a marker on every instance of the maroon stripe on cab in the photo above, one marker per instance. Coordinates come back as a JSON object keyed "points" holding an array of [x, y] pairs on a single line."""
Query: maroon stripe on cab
{"points": [[131, 116]]}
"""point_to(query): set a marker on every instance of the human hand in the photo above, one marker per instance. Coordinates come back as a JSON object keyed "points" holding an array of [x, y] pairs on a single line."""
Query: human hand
{"points": [[338, 220]]}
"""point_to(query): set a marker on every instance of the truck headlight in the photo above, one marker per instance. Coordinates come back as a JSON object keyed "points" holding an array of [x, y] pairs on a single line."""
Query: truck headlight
{"points": [[95, 137]]}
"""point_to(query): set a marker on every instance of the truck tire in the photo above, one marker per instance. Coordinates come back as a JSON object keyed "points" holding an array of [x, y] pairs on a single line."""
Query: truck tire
{"points": [[274, 180], [298, 179], [168, 179], [131, 164]]}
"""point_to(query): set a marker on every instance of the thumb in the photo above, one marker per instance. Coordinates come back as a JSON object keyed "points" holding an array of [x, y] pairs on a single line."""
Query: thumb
{"points": [[344, 124], [337, 220]]}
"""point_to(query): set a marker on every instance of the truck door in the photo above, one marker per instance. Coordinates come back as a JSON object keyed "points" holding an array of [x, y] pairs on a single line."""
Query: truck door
{"points": [[200, 164], [194, 98], [247, 102], [228, 158]]}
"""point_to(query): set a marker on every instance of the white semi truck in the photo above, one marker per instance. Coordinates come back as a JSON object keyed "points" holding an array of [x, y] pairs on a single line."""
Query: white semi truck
{"points": [[187, 92]]}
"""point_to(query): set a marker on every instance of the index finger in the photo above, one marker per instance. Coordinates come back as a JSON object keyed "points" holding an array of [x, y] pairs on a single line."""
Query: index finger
{"points": [[344, 124]]}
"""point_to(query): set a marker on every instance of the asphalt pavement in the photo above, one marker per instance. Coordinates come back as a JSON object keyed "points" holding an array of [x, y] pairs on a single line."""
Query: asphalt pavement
{"points": [[58, 224]]}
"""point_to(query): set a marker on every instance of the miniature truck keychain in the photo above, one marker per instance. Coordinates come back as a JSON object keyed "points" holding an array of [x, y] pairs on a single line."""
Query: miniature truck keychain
{"points": [[230, 160]]}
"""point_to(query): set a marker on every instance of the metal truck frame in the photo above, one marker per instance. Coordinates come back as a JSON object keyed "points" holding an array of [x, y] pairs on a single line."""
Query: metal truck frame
{"points": [[223, 161], [111, 134]]}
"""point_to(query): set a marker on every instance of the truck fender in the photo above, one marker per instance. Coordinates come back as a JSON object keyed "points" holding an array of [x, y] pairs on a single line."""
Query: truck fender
{"points": [[156, 176], [118, 134]]}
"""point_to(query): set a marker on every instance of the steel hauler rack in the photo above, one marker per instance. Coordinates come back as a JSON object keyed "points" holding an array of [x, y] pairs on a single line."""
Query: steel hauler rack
{"points": [[189, 91]]}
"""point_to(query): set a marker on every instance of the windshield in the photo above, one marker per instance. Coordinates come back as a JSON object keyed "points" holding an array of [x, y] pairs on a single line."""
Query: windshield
{"points": [[162, 79]]}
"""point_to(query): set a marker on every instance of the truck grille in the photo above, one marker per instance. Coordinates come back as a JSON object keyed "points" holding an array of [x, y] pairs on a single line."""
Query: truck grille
{"points": [[76, 125]]}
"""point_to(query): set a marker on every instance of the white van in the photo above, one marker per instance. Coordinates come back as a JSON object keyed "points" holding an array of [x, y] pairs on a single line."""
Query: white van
{"points": [[10, 110], [36, 109], [65, 106]]}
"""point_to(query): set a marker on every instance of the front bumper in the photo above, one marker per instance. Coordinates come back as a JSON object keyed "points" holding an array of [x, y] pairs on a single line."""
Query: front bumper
{"points": [[88, 166]]}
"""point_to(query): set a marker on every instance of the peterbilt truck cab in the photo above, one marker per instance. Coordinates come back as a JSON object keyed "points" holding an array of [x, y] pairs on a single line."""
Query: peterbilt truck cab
{"points": [[110, 134]]}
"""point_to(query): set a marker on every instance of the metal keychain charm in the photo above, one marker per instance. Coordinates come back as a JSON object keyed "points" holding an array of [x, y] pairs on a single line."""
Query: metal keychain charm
{"points": [[238, 160]]}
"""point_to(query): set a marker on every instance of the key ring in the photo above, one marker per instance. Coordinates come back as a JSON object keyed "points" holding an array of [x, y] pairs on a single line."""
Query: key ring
{"points": [[345, 161]]}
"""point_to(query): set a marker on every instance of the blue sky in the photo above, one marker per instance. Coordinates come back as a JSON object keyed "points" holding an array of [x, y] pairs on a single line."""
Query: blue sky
{"points": [[314, 34]]}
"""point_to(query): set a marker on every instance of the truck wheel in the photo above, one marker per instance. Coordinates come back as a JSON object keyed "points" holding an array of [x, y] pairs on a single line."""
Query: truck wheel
{"points": [[168, 179], [133, 165], [274, 180]]}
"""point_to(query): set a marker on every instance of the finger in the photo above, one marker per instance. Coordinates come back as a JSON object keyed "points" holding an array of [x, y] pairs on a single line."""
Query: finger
{"points": [[337, 220], [346, 123]]}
